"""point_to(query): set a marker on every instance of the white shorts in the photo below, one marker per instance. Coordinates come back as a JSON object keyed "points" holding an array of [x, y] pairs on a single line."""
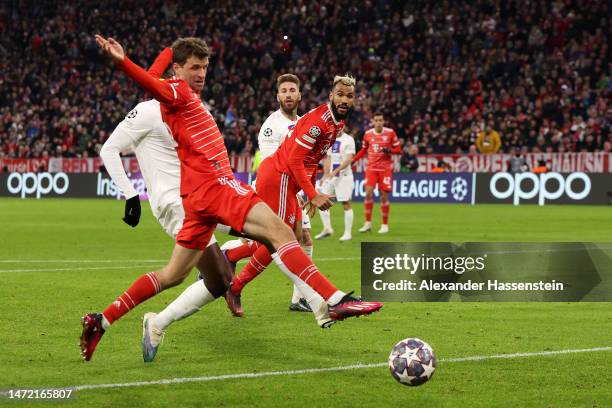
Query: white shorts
{"points": [[171, 219], [341, 187], [305, 220]]}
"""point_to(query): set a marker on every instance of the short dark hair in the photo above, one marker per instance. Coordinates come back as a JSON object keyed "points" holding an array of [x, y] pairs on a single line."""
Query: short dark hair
{"points": [[287, 78], [378, 113], [186, 47]]}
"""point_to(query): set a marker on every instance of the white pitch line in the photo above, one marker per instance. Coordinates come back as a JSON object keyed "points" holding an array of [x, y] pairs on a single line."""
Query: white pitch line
{"points": [[322, 370], [93, 268], [78, 260], [67, 269]]}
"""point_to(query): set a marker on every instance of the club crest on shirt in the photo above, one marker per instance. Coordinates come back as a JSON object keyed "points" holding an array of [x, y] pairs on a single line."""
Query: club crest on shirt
{"points": [[314, 131], [292, 219], [267, 132]]}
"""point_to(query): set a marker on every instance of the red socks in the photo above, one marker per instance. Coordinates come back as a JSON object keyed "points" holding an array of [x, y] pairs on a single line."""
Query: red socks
{"points": [[145, 287], [258, 262], [243, 251], [368, 204], [384, 208]]}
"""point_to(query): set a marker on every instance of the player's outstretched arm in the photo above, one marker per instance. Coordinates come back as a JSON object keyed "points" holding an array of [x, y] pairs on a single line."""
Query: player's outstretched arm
{"points": [[111, 47], [161, 90]]}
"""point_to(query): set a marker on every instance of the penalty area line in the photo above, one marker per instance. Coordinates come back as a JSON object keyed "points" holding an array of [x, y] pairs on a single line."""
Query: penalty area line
{"points": [[170, 381]]}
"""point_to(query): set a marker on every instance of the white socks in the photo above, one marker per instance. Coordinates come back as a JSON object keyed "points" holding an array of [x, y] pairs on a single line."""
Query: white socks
{"points": [[348, 222], [188, 302], [325, 219], [313, 298], [309, 250]]}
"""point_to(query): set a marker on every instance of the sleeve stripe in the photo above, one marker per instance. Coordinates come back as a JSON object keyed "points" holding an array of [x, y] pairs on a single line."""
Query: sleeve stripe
{"points": [[303, 145], [308, 139], [174, 90]]}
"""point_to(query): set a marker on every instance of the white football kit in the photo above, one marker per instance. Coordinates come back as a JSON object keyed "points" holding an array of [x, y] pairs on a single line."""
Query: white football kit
{"points": [[271, 135], [342, 185], [144, 132]]}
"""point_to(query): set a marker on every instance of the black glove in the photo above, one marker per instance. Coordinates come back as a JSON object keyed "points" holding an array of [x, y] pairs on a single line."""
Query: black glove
{"points": [[132, 211], [386, 150]]}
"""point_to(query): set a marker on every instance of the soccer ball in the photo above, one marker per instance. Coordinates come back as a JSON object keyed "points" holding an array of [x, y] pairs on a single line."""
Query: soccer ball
{"points": [[412, 362]]}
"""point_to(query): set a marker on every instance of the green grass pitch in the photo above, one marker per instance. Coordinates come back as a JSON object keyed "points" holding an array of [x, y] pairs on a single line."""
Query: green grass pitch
{"points": [[62, 258]]}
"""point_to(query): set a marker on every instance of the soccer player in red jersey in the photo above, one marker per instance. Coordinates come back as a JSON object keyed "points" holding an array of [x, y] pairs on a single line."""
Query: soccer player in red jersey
{"points": [[210, 195], [293, 167], [380, 143]]}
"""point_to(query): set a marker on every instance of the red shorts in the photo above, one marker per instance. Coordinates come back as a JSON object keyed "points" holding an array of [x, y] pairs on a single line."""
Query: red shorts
{"points": [[225, 201], [384, 179], [279, 192]]}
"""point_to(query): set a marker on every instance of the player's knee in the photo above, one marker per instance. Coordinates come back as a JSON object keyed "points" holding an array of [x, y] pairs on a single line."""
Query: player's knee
{"points": [[169, 277], [280, 233]]}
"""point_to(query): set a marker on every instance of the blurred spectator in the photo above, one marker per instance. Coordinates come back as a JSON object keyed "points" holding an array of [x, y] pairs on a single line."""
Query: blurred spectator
{"points": [[441, 167], [541, 167], [409, 161], [488, 140], [439, 71], [518, 163]]}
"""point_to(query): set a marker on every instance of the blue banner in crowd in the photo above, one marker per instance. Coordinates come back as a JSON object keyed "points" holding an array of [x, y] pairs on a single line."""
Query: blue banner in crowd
{"points": [[415, 187], [424, 188]]}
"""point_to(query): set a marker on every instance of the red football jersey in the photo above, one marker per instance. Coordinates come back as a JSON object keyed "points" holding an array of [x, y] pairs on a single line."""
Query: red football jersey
{"points": [[200, 144], [305, 145], [374, 143]]}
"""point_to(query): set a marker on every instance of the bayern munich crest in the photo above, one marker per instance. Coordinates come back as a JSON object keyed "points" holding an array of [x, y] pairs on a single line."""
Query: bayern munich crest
{"points": [[314, 131]]}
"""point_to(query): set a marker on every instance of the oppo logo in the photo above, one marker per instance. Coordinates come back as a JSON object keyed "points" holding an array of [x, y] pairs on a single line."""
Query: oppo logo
{"points": [[541, 186], [37, 183]]}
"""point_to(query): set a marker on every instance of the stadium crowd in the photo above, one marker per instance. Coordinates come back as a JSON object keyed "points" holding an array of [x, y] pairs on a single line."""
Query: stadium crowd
{"points": [[451, 76]]}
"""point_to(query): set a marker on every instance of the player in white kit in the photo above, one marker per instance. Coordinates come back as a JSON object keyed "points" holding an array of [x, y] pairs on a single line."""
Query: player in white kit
{"points": [[271, 135], [338, 181], [144, 132]]}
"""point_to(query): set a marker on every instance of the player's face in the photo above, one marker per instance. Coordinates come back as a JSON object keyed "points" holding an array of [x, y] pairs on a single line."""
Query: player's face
{"points": [[342, 98], [193, 71], [288, 96], [378, 122]]}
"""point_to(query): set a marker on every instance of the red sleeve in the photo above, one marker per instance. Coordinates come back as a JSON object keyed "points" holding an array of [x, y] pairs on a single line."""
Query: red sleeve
{"points": [[163, 91], [161, 63], [362, 151], [313, 179], [302, 147], [395, 144]]}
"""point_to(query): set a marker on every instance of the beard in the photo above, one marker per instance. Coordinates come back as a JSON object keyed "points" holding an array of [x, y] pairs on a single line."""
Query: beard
{"points": [[289, 110], [338, 115]]}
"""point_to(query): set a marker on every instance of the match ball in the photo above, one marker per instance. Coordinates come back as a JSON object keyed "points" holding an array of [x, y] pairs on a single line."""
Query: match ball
{"points": [[412, 362]]}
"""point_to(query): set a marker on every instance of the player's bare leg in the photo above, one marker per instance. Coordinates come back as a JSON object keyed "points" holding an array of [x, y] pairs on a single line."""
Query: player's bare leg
{"points": [[266, 227], [145, 287], [384, 209], [215, 279], [348, 221], [368, 204]]}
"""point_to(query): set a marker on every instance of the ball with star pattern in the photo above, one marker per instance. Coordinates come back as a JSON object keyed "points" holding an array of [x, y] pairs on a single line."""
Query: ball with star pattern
{"points": [[412, 362]]}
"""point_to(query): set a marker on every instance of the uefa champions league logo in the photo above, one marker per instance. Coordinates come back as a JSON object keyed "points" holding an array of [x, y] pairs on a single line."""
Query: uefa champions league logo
{"points": [[459, 188]]}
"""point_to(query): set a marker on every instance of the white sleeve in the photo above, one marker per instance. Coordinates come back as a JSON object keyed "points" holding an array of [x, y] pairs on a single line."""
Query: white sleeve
{"points": [[350, 146], [268, 144], [118, 141]]}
